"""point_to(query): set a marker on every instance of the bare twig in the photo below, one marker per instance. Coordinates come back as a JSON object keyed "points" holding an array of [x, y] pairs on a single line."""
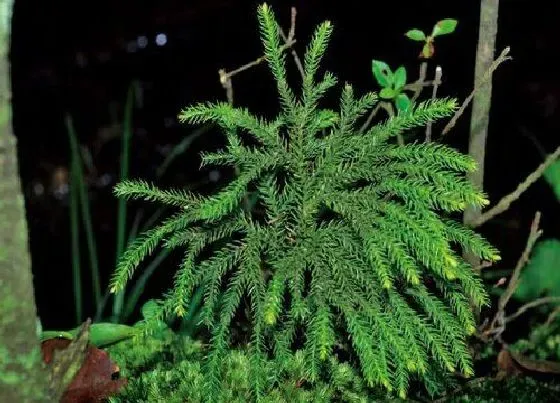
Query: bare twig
{"points": [[226, 76], [483, 265], [498, 323], [534, 235], [552, 316], [290, 38], [436, 83], [507, 200], [420, 83], [504, 56], [289, 41], [533, 304], [371, 116], [225, 80]]}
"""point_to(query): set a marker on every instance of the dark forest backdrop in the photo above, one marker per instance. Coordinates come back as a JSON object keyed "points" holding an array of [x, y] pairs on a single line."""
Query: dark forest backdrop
{"points": [[80, 58]]}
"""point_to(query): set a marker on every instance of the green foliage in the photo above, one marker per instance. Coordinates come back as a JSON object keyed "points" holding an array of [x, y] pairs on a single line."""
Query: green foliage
{"points": [[444, 27], [541, 277], [416, 35], [166, 367], [543, 342], [392, 84], [349, 237], [123, 307], [552, 177]]}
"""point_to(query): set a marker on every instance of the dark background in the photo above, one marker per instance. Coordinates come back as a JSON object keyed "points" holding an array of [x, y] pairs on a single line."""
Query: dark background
{"points": [[80, 57]]}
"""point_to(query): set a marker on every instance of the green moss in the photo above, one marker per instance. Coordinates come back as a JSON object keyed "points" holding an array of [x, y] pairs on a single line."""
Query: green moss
{"points": [[169, 367]]}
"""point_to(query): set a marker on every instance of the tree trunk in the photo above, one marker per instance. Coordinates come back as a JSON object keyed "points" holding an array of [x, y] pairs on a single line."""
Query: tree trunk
{"points": [[23, 377], [488, 28]]}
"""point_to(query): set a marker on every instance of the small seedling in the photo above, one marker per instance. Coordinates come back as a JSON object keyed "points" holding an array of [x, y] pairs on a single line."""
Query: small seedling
{"points": [[392, 84], [443, 27]]}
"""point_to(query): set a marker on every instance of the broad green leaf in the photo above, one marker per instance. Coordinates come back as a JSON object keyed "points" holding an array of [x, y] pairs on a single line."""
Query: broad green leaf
{"points": [[552, 176], [541, 276], [399, 79], [387, 93], [382, 73], [403, 102], [416, 35], [444, 27]]}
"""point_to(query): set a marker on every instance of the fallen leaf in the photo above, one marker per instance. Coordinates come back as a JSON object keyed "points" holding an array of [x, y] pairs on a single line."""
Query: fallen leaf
{"points": [[513, 364], [95, 380]]}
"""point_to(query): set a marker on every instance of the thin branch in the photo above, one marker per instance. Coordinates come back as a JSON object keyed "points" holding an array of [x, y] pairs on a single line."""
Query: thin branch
{"points": [[497, 326], [552, 316], [436, 83], [371, 116], [534, 235], [487, 76], [507, 200], [247, 66], [290, 38], [532, 304], [420, 83], [289, 41]]}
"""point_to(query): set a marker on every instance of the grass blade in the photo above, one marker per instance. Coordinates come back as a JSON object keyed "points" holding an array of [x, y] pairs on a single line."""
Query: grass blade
{"points": [[75, 234], [80, 191], [121, 215]]}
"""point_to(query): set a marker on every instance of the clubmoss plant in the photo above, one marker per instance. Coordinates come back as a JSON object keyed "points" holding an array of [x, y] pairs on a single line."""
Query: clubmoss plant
{"points": [[350, 242]]}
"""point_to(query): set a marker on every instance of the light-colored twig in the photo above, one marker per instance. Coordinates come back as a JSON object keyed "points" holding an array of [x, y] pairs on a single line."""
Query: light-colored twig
{"points": [[419, 84], [534, 235], [507, 200], [289, 41], [504, 56], [436, 83], [370, 117], [497, 326], [552, 316], [291, 37], [533, 304]]}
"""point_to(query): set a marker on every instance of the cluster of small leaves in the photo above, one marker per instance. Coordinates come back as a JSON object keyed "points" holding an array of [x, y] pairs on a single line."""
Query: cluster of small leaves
{"points": [[392, 84], [351, 235]]}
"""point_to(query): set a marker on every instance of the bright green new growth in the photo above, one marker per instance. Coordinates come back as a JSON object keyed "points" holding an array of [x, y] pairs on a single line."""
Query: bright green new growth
{"points": [[350, 238]]}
